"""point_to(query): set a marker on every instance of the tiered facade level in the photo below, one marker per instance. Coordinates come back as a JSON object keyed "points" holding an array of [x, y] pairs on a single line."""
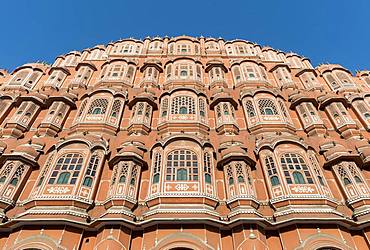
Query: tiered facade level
{"points": [[184, 143]]}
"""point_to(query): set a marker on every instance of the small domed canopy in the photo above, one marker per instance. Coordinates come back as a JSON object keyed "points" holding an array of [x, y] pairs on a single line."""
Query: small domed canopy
{"points": [[363, 149], [298, 96], [34, 66], [252, 92], [27, 153], [363, 73], [222, 97], [3, 72], [88, 64], [145, 96], [327, 98], [111, 90], [10, 96], [126, 40], [63, 96], [36, 97], [129, 62], [271, 142], [92, 141], [152, 39], [292, 54], [182, 58], [152, 63], [183, 37], [131, 149], [304, 70], [239, 41], [100, 47], [235, 153], [280, 65], [267, 48], [65, 70], [181, 136], [335, 152], [215, 63], [170, 92], [239, 62], [355, 96], [323, 68]]}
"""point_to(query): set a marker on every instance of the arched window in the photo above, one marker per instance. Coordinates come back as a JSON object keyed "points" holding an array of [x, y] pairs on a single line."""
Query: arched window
{"points": [[183, 105], [183, 110], [250, 109], [230, 174], [97, 111], [274, 181], [134, 173], [237, 74], [182, 165], [239, 172], [331, 80], [116, 108], [122, 179], [346, 181], [271, 171], [63, 178], [298, 178], [14, 181], [357, 179], [81, 111], [5, 172], [164, 107], [67, 165], [316, 168], [343, 77], [113, 71], [267, 107], [124, 172], [182, 174], [87, 181], [294, 166], [207, 168], [202, 107], [26, 78], [130, 72], [98, 106], [91, 170], [17, 175], [157, 167]]}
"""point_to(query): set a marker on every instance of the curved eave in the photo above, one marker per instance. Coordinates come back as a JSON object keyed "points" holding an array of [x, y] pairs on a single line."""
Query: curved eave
{"points": [[223, 98], [142, 98]]}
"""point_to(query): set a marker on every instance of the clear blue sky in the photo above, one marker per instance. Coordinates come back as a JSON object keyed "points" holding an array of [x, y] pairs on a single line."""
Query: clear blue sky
{"points": [[335, 31]]}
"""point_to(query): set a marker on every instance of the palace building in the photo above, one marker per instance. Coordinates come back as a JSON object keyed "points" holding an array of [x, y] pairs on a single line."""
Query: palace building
{"points": [[184, 143]]}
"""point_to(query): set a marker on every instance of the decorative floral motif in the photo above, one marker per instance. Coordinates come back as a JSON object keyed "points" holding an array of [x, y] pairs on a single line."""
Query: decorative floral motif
{"points": [[303, 189], [58, 190], [182, 187]]}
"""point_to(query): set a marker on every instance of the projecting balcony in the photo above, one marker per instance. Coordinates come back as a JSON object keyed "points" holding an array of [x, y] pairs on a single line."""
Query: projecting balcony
{"points": [[149, 82], [96, 123], [346, 87], [193, 82], [251, 83], [183, 123], [227, 125], [78, 83], [218, 82], [269, 123], [115, 81], [139, 125]]}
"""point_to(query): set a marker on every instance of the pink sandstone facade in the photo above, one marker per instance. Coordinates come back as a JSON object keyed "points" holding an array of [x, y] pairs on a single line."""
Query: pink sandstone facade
{"points": [[184, 143]]}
